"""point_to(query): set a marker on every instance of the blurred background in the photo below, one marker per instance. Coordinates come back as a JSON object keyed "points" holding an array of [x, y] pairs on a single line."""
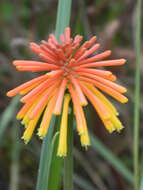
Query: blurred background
{"points": [[108, 164]]}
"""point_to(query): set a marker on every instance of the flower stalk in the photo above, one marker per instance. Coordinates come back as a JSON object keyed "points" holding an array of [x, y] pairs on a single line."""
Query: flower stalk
{"points": [[68, 160], [63, 17], [137, 97], [63, 20]]}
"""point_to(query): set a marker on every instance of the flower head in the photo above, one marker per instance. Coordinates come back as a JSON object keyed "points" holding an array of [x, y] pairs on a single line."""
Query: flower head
{"points": [[72, 73]]}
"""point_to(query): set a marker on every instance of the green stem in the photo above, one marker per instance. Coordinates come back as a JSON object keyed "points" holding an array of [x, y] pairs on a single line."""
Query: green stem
{"points": [[45, 158], [63, 20], [68, 162], [63, 16], [137, 98]]}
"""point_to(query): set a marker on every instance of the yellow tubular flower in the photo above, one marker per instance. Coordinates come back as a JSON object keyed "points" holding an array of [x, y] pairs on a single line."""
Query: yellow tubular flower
{"points": [[42, 131], [109, 126], [23, 92], [103, 98], [26, 118], [84, 138], [31, 124], [81, 121], [62, 147], [117, 124], [114, 123], [30, 128]]}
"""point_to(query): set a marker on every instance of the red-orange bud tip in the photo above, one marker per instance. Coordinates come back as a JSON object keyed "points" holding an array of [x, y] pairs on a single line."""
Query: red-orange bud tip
{"points": [[123, 61], [9, 94]]}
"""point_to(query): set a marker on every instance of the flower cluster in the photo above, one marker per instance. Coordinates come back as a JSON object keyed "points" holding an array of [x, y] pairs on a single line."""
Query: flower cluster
{"points": [[72, 73]]}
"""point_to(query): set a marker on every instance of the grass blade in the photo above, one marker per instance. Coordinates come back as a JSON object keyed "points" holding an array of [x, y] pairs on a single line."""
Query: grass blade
{"points": [[87, 167], [47, 165], [54, 181], [8, 115], [137, 97], [112, 159], [45, 156], [16, 148], [141, 184]]}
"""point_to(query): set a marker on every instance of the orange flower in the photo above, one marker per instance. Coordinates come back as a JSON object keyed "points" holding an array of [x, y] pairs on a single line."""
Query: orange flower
{"points": [[72, 72]]}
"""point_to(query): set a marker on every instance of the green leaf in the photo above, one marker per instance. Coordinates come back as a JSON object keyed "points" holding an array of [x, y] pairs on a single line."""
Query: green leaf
{"points": [[63, 16], [141, 183], [56, 167], [68, 160], [15, 158], [8, 115], [137, 93], [45, 159], [99, 147]]}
